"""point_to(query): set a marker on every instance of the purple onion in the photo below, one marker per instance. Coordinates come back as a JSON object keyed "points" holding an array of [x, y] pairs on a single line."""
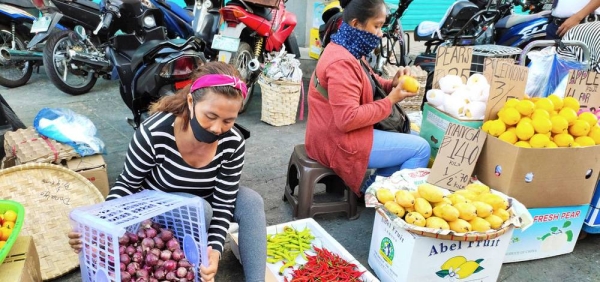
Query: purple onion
{"points": [[122, 249], [177, 255], [171, 276], [137, 257], [125, 276], [141, 234], [130, 250], [151, 259], [123, 240], [170, 265], [155, 251], [181, 272], [142, 273], [126, 259], [159, 243], [173, 245], [132, 267], [190, 274], [184, 263], [147, 244], [146, 224], [165, 255], [159, 273], [156, 226], [166, 235], [132, 238]]}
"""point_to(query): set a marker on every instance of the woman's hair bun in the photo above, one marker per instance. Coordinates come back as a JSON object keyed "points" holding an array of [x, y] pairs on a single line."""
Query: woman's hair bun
{"points": [[344, 3]]}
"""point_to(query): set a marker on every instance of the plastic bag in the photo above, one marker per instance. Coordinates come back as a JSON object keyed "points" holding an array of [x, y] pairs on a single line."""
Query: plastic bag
{"points": [[540, 82], [66, 126]]}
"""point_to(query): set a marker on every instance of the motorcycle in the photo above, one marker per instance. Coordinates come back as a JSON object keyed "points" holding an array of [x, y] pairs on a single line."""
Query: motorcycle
{"points": [[148, 63], [251, 31], [17, 57]]}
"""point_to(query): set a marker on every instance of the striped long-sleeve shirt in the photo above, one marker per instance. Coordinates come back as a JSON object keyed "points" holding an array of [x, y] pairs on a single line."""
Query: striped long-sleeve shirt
{"points": [[154, 162]]}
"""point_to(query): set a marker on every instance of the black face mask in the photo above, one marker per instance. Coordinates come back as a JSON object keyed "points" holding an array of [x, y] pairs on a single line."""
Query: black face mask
{"points": [[200, 133]]}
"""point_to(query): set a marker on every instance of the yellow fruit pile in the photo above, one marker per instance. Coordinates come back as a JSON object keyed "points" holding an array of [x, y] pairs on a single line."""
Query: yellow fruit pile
{"points": [[474, 208], [544, 123]]}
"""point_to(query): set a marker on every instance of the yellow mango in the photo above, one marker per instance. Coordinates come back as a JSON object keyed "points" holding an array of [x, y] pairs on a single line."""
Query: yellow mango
{"points": [[393, 207], [480, 224], [437, 223], [384, 195], [466, 211], [415, 218], [496, 201], [483, 209], [449, 213], [495, 221], [502, 213], [478, 188], [405, 198], [430, 192], [466, 269], [423, 207], [460, 226], [456, 198]]}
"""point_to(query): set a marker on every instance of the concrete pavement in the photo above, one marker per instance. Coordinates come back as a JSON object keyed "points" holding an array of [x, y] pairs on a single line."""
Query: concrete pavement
{"points": [[268, 152]]}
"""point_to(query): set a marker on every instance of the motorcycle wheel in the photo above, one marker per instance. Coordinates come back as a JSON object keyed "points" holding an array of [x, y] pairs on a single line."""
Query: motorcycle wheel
{"points": [[14, 73], [58, 69], [240, 60]]}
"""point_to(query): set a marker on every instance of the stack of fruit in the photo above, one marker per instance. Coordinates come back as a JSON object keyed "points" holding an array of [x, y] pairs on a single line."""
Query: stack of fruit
{"points": [[7, 221], [545, 123], [473, 209], [463, 101]]}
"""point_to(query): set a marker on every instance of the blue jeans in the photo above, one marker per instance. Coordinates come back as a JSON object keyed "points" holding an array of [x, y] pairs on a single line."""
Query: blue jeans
{"points": [[249, 213], [394, 151]]}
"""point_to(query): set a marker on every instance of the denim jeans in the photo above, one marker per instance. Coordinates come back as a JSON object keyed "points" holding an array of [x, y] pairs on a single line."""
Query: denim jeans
{"points": [[249, 213], [394, 151]]}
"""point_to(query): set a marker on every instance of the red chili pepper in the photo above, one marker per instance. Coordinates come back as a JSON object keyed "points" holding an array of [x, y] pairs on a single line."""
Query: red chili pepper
{"points": [[326, 266]]}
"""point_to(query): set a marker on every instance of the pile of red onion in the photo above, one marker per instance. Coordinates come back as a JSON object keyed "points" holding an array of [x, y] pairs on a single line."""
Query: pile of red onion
{"points": [[153, 254]]}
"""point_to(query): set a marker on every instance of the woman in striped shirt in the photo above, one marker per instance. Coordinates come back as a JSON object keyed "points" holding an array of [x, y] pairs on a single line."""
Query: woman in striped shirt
{"points": [[190, 146]]}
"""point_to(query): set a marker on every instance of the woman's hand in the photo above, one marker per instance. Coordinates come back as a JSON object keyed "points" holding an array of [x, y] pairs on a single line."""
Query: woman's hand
{"points": [[397, 94], [207, 273], [401, 71], [75, 241], [568, 24]]}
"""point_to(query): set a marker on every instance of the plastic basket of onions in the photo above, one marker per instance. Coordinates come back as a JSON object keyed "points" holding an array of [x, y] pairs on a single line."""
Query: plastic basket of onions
{"points": [[139, 237]]}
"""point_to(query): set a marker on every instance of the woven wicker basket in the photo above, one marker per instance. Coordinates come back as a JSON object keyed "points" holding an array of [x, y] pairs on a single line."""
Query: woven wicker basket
{"points": [[48, 193], [279, 101]]}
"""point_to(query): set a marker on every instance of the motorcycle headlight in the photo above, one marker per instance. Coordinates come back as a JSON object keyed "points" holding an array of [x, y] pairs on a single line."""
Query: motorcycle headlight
{"points": [[149, 21]]}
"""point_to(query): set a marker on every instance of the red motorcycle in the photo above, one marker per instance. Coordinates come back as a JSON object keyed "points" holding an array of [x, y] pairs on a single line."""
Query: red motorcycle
{"points": [[250, 30]]}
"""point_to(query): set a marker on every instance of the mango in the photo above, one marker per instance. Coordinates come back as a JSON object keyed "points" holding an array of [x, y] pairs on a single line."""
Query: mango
{"points": [[430, 192], [423, 207], [460, 226], [456, 198], [466, 211], [483, 209], [478, 188], [479, 224], [437, 223], [416, 194], [496, 201], [437, 210], [449, 213], [453, 263], [502, 213], [466, 269], [405, 198], [415, 218], [495, 221], [394, 208], [469, 195], [384, 195]]}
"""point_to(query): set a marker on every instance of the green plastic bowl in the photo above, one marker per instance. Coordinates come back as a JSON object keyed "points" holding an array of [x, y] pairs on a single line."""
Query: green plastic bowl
{"points": [[6, 205]]}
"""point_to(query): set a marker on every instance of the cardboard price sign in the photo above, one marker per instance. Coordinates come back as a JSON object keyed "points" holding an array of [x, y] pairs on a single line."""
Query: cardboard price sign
{"points": [[508, 81], [457, 156], [583, 86], [452, 60], [489, 64]]}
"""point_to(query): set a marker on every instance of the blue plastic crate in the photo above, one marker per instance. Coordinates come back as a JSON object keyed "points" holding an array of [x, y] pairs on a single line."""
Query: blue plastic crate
{"points": [[101, 226]]}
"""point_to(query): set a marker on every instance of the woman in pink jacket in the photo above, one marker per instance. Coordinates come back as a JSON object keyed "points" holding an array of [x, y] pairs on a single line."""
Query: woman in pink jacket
{"points": [[339, 132]]}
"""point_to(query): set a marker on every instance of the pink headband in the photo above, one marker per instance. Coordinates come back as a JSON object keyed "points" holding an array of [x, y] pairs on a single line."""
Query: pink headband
{"points": [[211, 80]]}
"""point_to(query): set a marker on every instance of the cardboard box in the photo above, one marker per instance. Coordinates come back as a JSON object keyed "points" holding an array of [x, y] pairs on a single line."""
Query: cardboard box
{"points": [[435, 123], [314, 50], [322, 239], [398, 255], [22, 262], [554, 232], [542, 177], [94, 169]]}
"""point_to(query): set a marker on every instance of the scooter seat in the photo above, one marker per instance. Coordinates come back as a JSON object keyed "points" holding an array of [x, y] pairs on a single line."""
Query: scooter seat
{"points": [[148, 47], [512, 20], [427, 30], [88, 4]]}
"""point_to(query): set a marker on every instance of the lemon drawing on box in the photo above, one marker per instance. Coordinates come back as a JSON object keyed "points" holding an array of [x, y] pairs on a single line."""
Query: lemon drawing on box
{"points": [[459, 267], [556, 238]]}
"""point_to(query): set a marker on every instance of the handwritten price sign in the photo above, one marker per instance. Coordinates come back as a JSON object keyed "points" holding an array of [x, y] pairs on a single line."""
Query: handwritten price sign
{"points": [[457, 156], [583, 86], [508, 81], [489, 64], [452, 60]]}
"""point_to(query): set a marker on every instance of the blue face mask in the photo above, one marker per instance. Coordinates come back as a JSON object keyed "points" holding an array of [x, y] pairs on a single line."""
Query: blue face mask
{"points": [[358, 42]]}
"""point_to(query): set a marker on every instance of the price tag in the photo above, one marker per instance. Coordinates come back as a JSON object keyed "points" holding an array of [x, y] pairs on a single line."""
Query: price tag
{"points": [[508, 81], [489, 64], [583, 86], [452, 60], [457, 157]]}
